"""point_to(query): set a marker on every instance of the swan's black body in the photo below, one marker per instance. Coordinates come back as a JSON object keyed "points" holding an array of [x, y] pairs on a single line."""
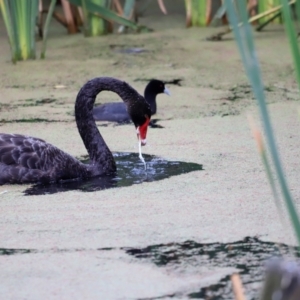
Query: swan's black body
{"points": [[116, 111], [25, 159]]}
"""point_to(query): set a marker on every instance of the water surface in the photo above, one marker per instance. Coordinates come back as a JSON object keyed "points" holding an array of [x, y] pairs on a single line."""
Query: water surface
{"points": [[247, 256], [130, 170]]}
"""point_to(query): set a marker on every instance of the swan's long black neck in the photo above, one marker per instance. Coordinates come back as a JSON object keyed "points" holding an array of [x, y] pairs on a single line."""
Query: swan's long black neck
{"points": [[100, 155]]}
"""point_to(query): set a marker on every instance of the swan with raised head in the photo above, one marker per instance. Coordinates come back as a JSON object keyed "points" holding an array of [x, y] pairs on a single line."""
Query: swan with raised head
{"points": [[25, 159]]}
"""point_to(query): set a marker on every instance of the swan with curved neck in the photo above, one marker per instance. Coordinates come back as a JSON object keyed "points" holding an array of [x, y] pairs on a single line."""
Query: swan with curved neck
{"points": [[25, 159]]}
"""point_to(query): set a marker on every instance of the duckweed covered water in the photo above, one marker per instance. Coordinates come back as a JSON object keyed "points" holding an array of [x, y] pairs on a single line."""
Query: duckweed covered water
{"points": [[247, 256], [130, 170]]}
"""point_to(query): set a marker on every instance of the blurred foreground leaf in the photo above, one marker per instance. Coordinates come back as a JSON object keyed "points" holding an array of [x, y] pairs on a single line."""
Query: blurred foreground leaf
{"points": [[244, 39]]}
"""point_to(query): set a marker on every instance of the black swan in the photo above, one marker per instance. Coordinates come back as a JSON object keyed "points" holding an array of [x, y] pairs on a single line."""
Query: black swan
{"points": [[25, 159], [116, 111]]}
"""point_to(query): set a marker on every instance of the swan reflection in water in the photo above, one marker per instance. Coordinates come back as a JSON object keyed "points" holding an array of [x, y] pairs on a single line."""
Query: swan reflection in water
{"points": [[130, 170]]}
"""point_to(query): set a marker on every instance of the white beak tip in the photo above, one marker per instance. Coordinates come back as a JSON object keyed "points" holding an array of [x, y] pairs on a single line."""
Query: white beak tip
{"points": [[166, 91]]}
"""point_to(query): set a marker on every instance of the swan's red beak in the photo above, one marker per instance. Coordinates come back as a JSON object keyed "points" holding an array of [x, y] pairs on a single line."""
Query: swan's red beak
{"points": [[142, 131]]}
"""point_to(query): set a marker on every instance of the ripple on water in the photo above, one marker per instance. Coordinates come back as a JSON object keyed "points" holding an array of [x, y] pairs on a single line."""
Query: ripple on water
{"points": [[130, 170]]}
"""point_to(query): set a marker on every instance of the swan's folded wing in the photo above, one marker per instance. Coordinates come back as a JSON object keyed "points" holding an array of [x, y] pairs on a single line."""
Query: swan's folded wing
{"points": [[28, 152]]}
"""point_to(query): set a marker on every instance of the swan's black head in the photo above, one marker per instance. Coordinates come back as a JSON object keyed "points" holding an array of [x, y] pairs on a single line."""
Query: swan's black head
{"points": [[156, 87], [140, 113]]}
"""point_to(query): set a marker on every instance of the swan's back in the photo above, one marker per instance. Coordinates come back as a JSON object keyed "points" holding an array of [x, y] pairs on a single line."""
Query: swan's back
{"points": [[26, 159], [112, 112]]}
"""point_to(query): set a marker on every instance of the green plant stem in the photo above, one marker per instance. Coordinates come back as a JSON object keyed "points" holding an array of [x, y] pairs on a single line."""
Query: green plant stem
{"points": [[107, 14], [34, 14], [97, 25], [128, 9], [46, 27], [298, 9], [290, 30], [8, 24], [19, 18], [198, 12], [245, 42], [271, 180]]}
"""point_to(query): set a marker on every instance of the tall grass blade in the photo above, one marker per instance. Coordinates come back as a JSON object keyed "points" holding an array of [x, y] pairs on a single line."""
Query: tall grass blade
{"points": [[14, 17], [196, 12], [162, 7], [188, 9], [265, 6], [97, 25], [46, 27], [290, 30], [34, 14], [267, 165], [21, 27], [19, 18], [245, 43], [298, 10], [86, 25], [108, 15], [127, 12], [4, 7], [128, 8]]}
